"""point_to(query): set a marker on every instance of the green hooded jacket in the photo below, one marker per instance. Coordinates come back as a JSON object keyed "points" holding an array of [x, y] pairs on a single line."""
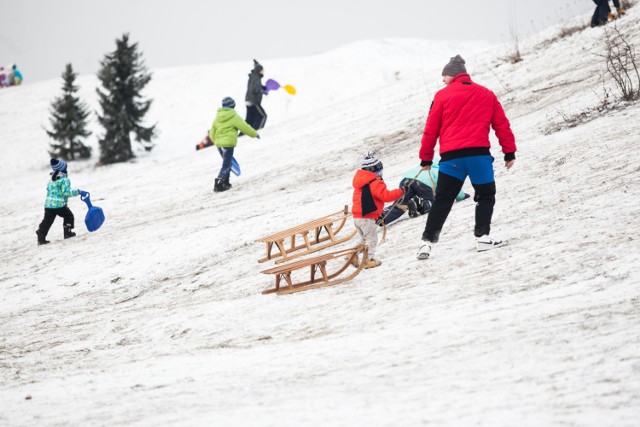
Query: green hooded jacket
{"points": [[224, 131]]}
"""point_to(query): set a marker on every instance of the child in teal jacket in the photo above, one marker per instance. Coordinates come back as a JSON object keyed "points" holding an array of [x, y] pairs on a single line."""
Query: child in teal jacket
{"points": [[58, 192], [419, 200], [224, 134]]}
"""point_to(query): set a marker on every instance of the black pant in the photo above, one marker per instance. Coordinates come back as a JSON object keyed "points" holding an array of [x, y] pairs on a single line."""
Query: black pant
{"points": [[417, 189], [601, 14], [50, 216], [256, 117], [447, 189]]}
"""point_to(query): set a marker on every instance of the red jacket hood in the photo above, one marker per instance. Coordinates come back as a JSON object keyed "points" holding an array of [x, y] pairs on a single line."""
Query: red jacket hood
{"points": [[363, 177]]}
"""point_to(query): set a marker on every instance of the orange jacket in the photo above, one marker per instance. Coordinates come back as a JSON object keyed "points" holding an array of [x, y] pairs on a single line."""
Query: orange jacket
{"points": [[378, 191]]}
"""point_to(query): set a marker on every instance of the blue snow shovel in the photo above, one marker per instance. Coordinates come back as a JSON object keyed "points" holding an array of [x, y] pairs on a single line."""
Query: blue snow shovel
{"points": [[95, 216], [235, 167]]}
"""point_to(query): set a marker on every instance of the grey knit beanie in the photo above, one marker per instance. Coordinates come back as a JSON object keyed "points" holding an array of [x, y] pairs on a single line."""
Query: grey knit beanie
{"points": [[228, 102], [370, 163], [455, 66]]}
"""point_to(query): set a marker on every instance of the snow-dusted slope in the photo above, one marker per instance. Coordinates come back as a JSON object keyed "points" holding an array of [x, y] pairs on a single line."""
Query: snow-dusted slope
{"points": [[157, 319]]}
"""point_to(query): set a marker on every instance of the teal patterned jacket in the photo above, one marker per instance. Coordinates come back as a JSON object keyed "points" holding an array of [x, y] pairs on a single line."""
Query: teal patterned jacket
{"points": [[58, 192]]}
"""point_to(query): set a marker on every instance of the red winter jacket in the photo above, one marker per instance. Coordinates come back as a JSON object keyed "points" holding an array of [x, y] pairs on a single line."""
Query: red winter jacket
{"points": [[460, 116], [378, 191]]}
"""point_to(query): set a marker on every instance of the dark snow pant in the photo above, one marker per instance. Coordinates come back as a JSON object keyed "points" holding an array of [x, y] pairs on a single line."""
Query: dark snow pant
{"points": [[446, 191], [50, 215], [601, 14], [256, 117], [227, 155], [417, 189]]}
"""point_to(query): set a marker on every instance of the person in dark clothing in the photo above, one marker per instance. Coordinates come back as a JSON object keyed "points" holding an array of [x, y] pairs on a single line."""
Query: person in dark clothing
{"points": [[417, 202], [602, 14], [256, 116], [420, 197]]}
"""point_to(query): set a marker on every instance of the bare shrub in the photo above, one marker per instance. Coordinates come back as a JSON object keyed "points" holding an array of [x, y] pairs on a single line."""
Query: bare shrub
{"points": [[568, 121], [515, 56], [569, 31], [622, 63]]}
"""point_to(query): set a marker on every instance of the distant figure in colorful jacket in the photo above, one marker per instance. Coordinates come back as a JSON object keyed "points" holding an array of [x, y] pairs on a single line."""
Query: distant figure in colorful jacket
{"points": [[15, 76], [224, 134], [418, 201], [256, 116], [3, 78], [603, 14], [369, 196], [58, 192]]}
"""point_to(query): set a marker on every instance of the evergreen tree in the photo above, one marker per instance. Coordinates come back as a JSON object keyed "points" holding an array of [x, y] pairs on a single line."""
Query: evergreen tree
{"points": [[68, 122], [123, 75]]}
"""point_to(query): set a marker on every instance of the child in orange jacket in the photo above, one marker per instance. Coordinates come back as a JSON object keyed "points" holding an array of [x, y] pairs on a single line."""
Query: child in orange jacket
{"points": [[369, 196]]}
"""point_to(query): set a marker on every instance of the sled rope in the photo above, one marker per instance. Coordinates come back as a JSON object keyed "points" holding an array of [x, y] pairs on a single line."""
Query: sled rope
{"points": [[433, 183], [384, 226]]}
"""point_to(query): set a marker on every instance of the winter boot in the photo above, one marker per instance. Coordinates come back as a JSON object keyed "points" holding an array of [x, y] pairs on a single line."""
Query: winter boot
{"points": [[372, 263], [41, 238], [219, 185], [68, 233], [424, 207], [484, 243], [412, 208], [227, 184], [425, 250]]}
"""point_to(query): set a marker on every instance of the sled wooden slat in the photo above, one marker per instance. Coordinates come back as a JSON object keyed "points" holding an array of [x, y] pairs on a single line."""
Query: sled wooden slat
{"points": [[355, 256], [306, 238]]}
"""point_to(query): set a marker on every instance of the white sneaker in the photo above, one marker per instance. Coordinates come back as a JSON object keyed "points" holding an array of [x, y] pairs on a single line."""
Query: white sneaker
{"points": [[425, 250], [484, 243]]}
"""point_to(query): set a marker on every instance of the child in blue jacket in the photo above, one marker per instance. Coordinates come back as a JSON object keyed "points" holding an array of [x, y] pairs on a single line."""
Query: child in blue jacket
{"points": [[58, 192]]}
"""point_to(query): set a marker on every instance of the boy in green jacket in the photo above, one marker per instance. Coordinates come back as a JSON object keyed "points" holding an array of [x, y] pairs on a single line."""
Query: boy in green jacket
{"points": [[58, 192], [224, 134]]}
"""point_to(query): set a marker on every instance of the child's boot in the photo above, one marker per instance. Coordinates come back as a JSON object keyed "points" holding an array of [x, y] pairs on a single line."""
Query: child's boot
{"points": [[219, 185], [41, 238], [227, 184], [68, 233], [372, 263]]}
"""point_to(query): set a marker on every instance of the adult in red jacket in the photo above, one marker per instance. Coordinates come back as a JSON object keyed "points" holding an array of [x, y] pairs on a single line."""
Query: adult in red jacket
{"points": [[369, 196], [460, 117]]}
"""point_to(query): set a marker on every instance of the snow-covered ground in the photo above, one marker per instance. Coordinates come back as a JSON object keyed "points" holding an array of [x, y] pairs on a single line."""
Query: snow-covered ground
{"points": [[158, 318]]}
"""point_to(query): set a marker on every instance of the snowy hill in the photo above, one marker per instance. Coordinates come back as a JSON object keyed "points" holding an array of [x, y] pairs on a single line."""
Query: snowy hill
{"points": [[158, 319]]}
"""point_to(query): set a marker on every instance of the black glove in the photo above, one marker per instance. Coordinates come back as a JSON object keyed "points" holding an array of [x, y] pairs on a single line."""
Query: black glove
{"points": [[426, 163]]}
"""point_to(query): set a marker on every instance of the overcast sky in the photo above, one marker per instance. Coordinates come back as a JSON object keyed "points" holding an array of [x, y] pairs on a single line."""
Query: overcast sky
{"points": [[41, 36]]}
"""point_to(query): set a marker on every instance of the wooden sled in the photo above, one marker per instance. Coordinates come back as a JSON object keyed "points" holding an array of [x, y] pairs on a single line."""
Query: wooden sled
{"points": [[355, 257], [285, 241]]}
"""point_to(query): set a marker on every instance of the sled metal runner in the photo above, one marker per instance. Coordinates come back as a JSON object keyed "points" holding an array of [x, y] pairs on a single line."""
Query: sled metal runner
{"points": [[287, 243], [319, 276]]}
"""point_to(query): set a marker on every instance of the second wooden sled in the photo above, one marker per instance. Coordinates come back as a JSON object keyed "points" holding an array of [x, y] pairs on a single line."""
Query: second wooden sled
{"points": [[319, 277], [311, 233]]}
